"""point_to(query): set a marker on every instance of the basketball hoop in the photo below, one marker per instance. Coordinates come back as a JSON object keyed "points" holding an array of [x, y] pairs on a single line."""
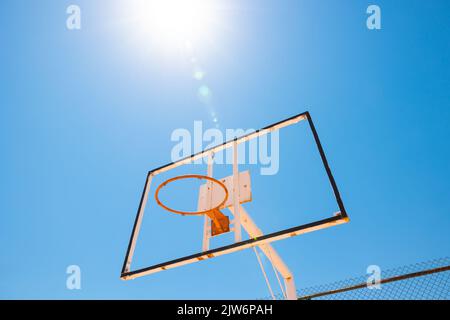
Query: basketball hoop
{"points": [[221, 223]]}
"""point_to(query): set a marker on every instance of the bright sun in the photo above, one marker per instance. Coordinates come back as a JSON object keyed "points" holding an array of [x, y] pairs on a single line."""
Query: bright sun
{"points": [[177, 22]]}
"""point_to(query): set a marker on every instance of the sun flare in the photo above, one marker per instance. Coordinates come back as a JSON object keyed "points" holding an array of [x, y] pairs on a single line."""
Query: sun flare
{"points": [[177, 22]]}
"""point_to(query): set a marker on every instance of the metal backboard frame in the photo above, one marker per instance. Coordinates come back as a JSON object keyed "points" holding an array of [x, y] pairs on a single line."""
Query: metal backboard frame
{"points": [[336, 219]]}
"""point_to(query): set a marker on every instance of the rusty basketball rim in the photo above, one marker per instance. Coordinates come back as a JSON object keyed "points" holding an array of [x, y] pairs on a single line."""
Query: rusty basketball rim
{"points": [[185, 177]]}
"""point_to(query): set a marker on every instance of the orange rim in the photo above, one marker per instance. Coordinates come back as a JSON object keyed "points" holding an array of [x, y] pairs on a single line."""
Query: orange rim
{"points": [[190, 176]]}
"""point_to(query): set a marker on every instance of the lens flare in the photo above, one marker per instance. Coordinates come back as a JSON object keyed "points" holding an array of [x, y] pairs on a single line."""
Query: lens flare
{"points": [[199, 74], [204, 91]]}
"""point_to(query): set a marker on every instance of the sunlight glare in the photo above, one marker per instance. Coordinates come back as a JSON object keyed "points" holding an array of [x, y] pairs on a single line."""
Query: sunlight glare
{"points": [[177, 22]]}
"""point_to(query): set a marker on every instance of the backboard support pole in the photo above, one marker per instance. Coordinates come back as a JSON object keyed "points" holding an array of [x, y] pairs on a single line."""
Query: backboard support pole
{"points": [[207, 220], [236, 195], [254, 232]]}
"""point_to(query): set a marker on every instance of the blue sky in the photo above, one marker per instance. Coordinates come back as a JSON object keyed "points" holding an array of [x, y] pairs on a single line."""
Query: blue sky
{"points": [[85, 114]]}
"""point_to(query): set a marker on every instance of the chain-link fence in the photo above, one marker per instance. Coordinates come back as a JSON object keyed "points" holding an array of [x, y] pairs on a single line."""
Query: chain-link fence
{"points": [[421, 281]]}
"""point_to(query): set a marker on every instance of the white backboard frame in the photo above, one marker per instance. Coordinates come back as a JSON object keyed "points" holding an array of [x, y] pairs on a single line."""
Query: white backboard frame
{"points": [[335, 219]]}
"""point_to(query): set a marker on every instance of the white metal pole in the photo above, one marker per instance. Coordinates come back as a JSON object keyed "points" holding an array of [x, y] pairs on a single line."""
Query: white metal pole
{"points": [[254, 232], [207, 220], [236, 195], [291, 291]]}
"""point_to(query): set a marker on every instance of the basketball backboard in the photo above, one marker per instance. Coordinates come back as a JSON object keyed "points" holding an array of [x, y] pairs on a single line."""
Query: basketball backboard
{"points": [[223, 206]]}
